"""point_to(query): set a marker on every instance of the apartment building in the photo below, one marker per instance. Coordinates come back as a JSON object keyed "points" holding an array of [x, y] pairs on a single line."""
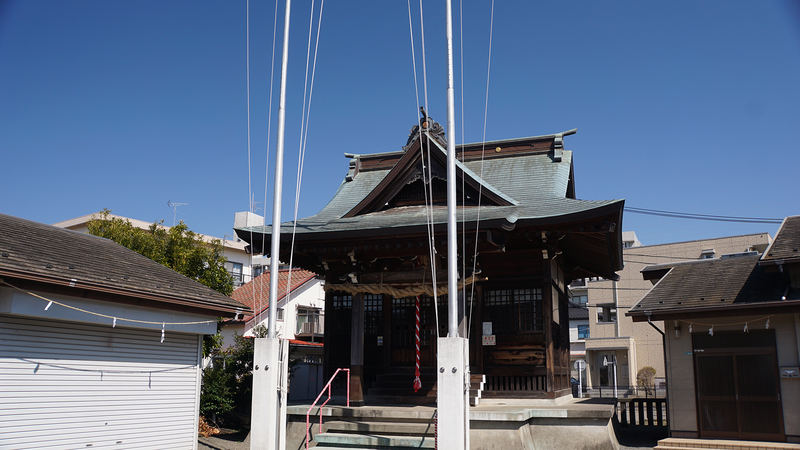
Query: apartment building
{"points": [[616, 347]]}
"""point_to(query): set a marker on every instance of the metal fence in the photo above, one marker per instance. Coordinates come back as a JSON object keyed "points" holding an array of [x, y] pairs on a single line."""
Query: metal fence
{"points": [[622, 392]]}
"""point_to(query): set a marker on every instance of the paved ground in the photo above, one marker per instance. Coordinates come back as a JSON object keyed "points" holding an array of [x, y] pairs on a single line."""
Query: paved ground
{"points": [[227, 440], [639, 438], [629, 439]]}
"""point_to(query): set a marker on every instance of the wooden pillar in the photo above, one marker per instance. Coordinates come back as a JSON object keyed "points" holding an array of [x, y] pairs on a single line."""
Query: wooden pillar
{"points": [[477, 331], [326, 349], [357, 351], [387, 332], [547, 301]]}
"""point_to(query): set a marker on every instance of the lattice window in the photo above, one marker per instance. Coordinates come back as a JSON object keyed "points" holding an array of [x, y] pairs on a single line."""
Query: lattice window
{"points": [[373, 313], [342, 312], [512, 310]]}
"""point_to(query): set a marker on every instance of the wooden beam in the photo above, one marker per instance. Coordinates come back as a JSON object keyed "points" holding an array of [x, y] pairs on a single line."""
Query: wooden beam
{"points": [[357, 351]]}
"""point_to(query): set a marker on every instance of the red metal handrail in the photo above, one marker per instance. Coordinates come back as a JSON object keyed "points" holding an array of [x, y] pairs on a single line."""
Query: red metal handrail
{"points": [[328, 387]]}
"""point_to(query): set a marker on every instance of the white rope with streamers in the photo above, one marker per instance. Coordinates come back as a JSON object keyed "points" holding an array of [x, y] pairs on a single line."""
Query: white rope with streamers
{"points": [[114, 319]]}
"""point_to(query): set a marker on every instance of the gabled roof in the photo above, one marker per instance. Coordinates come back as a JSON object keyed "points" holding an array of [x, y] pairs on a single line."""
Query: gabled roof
{"points": [[412, 167], [530, 181], [785, 248], [49, 255], [725, 286], [255, 294]]}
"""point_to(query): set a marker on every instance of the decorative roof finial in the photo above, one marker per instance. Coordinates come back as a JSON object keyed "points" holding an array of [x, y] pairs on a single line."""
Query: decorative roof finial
{"points": [[428, 125]]}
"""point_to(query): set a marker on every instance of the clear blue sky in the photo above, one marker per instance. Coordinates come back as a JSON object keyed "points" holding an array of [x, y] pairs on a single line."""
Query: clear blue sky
{"points": [[682, 106]]}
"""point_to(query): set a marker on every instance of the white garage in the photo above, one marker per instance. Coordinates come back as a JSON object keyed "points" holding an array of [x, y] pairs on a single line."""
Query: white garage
{"points": [[92, 358]]}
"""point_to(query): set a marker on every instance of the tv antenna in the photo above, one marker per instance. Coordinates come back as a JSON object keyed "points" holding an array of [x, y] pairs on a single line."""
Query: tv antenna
{"points": [[174, 207], [253, 203]]}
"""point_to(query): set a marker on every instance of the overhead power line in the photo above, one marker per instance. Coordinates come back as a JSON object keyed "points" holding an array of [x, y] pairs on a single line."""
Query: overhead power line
{"points": [[680, 215]]}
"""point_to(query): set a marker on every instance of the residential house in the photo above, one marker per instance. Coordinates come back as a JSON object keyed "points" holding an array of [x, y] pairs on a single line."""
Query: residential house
{"points": [[241, 264], [613, 335], [732, 334], [300, 319], [101, 347], [533, 237]]}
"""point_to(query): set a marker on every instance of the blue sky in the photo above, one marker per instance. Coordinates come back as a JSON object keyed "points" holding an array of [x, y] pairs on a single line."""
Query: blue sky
{"points": [[681, 106]]}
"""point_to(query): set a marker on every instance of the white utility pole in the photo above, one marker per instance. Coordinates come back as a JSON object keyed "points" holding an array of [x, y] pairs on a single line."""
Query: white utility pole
{"points": [[268, 422], [453, 350]]}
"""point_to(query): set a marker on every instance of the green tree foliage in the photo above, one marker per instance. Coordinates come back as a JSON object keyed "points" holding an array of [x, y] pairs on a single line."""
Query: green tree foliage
{"points": [[176, 247], [216, 396], [234, 370]]}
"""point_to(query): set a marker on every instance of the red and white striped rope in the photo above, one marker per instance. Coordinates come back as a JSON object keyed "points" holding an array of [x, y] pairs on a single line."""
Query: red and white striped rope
{"points": [[417, 382]]}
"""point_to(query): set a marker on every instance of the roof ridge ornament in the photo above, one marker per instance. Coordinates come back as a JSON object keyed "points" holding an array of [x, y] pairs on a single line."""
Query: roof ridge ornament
{"points": [[426, 123]]}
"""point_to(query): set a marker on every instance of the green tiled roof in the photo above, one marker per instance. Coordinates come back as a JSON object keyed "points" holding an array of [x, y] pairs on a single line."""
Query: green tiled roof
{"points": [[535, 182]]}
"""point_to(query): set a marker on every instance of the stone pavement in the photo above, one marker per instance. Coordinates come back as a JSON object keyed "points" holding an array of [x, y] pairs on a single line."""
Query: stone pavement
{"points": [[225, 441], [628, 439]]}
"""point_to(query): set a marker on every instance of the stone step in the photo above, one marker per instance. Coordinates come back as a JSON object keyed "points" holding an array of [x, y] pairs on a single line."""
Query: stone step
{"points": [[401, 392], [721, 444], [324, 440], [408, 377], [399, 400], [430, 383], [383, 428]]}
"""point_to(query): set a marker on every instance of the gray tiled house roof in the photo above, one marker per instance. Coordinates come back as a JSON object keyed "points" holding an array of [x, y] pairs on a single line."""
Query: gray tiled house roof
{"points": [[45, 254], [786, 245], [709, 286]]}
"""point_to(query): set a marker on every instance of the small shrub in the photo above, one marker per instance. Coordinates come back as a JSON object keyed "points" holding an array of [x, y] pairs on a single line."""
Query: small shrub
{"points": [[216, 395], [646, 378]]}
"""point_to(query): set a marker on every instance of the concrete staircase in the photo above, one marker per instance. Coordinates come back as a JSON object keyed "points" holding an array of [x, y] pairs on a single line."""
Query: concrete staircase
{"points": [[398, 388], [706, 444], [377, 433]]}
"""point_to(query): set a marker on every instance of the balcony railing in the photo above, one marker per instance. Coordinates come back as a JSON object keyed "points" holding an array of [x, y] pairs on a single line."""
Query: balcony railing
{"points": [[312, 323]]}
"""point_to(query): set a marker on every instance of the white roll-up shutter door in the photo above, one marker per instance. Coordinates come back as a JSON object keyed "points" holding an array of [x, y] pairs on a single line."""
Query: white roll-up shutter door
{"points": [[66, 385]]}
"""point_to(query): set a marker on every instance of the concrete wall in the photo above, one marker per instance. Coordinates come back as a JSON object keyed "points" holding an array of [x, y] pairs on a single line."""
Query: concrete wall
{"points": [[682, 399]]}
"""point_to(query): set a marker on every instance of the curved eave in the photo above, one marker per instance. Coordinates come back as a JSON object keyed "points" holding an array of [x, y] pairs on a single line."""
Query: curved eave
{"points": [[592, 238]]}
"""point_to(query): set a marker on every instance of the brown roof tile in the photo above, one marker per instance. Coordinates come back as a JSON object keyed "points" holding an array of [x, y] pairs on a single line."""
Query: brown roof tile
{"points": [[711, 285], [786, 244], [255, 294], [44, 253]]}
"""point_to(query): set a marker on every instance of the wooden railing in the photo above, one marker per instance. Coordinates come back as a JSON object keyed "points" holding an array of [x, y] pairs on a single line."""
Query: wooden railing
{"points": [[516, 383], [645, 412]]}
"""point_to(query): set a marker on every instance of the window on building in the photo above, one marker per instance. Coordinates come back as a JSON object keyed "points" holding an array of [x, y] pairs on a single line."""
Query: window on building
{"points": [[341, 313], [578, 283], [606, 313], [236, 272], [280, 314], [580, 299], [583, 331], [512, 310], [373, 313], [309, 320], [708, 254], [258, 270]]}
